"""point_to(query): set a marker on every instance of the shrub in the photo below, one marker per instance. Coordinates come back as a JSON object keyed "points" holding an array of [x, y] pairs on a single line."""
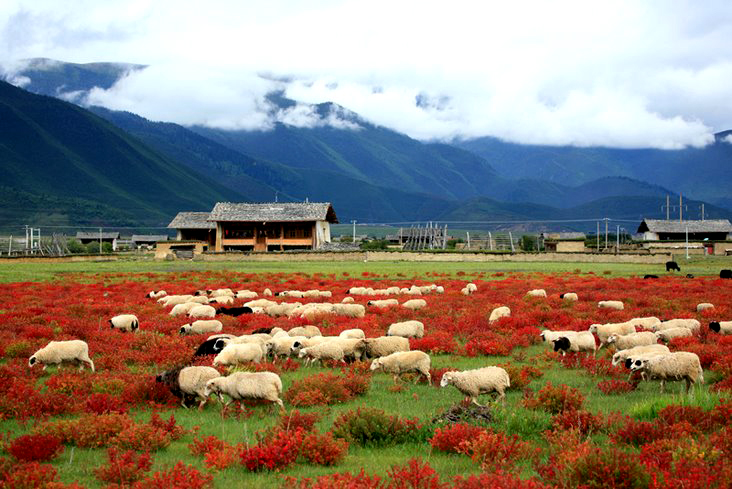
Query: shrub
{"points": [[217, 454], [123, 468], [337, 481], [614, 386], [29, 475], [180, 476], [141, 437], [414, 474], [373, 427], [89, 431], [323, 449], [495, 450], [297, 420], [449, 438], [497, 480], [638, 432], [99, 403], [584, 421], [35, 448], [277, 452], [202, 446], [173, 430], [521, 377], [326, 388], [555, 399]]}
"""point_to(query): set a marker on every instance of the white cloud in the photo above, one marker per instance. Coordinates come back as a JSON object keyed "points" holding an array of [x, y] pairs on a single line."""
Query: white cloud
{"points": [[727, 138], [624, 74]]}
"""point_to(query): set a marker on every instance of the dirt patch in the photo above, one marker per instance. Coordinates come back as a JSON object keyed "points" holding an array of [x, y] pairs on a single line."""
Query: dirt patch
{"points": [[462, 413]]}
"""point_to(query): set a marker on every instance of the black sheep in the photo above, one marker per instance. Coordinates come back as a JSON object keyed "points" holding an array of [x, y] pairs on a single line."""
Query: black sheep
{"points": [[562, 344], [170, 379], [714, 326], [208, 347], [672, 265], [235, 311], [725, 273]]}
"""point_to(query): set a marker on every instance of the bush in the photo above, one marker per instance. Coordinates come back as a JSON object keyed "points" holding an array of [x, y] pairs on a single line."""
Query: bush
{"points": [[591, 467], [217, 454], [180, 476], [450, 438], [614, 386], [29, 475], [35, 448], [555, 399], [123, 468], [495, 450], [373, 427], [141, 437], [583, 421], [277, 452], [89, 431], [299, 421], [323, 449], [414, 474], [327, 388]]}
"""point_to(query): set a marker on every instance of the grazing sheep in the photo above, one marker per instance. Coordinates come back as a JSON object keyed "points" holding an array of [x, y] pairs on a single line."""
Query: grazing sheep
{"points": [[308, 342], [265, 303], [473, 383], [125, 322], [569, 296], [200, 300], [290, 293], [323, 351], [202, 312], [536, 293], [415, 304], [247, 385], [156, 294], [246, 294], [672, 366], [617, 305], [627, 341], [722, 327], [691, 324], [383, 303], [667, 335], [235, 311], [209, 347], [171, 380], [582, 341], [406, 329], [191, 381], [221, 293], [548, 336], [498, 313], [306, 331], [647, 323], [353, 348], [202, 327], [384, 345], [439, 289], [283, 309], [57, 352], [355, 334], [465, 291], [183, 309], [348, 300], [224, 299], [402, 362], [355, 311], [281, 346], [641, 356], [672, 265], [704, 306], [237, 353], [472, 287], [267, 293], [174, 300], [603, 331], [622, 355]]}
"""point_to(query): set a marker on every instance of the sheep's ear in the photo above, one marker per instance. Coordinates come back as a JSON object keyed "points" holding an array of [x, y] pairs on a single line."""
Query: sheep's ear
{"points": [[32, 360]]}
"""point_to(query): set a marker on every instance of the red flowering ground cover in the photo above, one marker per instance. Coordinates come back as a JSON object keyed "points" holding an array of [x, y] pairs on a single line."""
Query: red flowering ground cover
{"points": [[653, 441]]}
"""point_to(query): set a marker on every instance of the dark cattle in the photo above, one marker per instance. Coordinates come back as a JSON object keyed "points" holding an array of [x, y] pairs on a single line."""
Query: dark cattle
{"points": [[235, 311], [648, 275], [714, 326], [725, 273], [170, 379], [262, 331], [561, 343], [208, 347], [672, 265]]}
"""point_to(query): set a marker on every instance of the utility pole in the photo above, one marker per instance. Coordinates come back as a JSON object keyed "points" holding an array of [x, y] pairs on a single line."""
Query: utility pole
{"points": [[597, 236], [617, 239], [668, 207], [681, 212], [606, 219], [100, 241], [702, 216], [354, 230]]}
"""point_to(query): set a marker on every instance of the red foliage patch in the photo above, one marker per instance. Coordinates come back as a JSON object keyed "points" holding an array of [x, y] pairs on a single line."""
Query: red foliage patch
{"points": [[123, 468], [555, 399], [450, 438], [35, 448]]}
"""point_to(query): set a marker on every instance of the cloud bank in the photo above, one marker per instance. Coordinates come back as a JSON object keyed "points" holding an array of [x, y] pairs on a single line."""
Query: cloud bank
{"points": [[586, 73]]}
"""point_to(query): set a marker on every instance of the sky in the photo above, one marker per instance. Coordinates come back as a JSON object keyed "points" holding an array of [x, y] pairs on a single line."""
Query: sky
{"points": [[629, 74]]}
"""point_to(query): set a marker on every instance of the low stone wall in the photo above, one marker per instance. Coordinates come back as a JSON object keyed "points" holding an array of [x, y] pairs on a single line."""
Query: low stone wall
{"points": [[57, 259]]}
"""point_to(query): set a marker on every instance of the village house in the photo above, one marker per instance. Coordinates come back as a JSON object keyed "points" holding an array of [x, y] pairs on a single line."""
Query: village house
{"points": [[194, 226], [564, 242], [709, 236], [94, 237]]}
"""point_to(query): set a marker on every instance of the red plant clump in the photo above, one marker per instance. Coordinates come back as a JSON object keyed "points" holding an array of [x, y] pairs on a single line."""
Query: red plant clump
{"points": [[521, 377], [217, 454], [88, 431], [373, 427], [276, 452], [327, 388], [583, 421], [323, 449], [450, 438], [296, 420], [437, 342], [35, 448], [614, 386], [141, 437], [100, 403], [496, 450], [414, 474], [180, 476], [555, 399], [123, 468], [497, 480], [28, 475]]}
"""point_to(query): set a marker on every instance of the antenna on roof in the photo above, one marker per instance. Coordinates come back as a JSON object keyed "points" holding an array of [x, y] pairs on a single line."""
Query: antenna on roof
{"points": [[275, 196], [306, 200]]}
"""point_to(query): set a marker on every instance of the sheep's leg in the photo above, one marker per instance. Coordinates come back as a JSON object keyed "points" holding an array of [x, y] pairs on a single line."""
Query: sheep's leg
{"points": [[475, 401], [396, 379], [429, 377], [688, 385], [662, 386]]}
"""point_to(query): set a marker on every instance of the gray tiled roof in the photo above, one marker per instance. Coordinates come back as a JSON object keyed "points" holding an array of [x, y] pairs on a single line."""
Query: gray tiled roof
{"points": [[273, 212], [95, 235], [707, 226], [191, 220], [147, 238], [567, 235]]}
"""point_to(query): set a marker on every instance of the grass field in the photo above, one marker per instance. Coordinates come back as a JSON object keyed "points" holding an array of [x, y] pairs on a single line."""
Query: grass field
{"points": [[55, 301]]}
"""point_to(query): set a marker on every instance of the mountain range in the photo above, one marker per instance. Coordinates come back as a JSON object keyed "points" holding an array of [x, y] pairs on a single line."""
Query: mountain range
{"points": [[119, 167]]}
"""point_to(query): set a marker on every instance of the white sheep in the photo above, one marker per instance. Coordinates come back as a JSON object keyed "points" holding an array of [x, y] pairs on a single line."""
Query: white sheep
{"points": [[192, 381], [407, 329], [498, 313], [307, 331], [125, 322], [265, 303], [439, 289], [222, 293], [223, 299], [647, 323], [415, 304], [156, 294], [691, 324], [329, 350], [247, 385], [627, 341], [384, 345], [536, 293], [722, 327], [308, 342], [622, 355], [582, 341], [199, 299], [267, 293], [569, 296], [354, 334], [348, 300], [603, 331], [183, 309], [381, 303], [704, 306], [681, 365], [281, 346], [403, 362], [236, 353], [202, 327], [57, 352], [548, 336], [617, 305], [173, 300], [472, 287], [246, 294], [667, 335], [353, 348], [282, 309], [202, 311], [355, 311], [473, 383]]}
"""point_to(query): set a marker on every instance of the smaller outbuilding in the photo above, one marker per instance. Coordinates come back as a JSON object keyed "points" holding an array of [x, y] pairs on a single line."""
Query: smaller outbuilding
{"points": [[194, 226], [147, 240], [564, 242], [94, 237]]}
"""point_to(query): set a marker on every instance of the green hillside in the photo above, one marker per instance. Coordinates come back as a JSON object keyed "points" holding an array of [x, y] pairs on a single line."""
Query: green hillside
{"points": [[62, 160]]}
